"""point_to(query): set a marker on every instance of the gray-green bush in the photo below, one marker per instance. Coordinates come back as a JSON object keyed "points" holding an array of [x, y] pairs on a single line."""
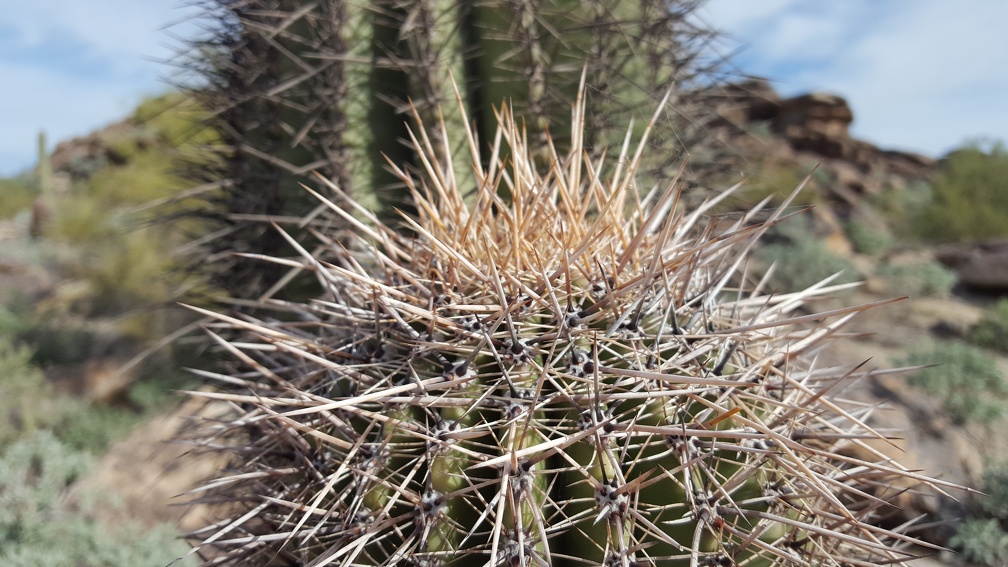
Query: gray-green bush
{"points": [[918, 279], [803, 261], [992, 330], [965, 378], [981, 541], [39, 525], [995, 489], [867, 238]]}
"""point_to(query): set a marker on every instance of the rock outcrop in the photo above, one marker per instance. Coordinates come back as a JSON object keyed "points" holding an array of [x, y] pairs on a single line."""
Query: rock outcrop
{"points": [[982, 266], [807, 130], [78, 158]]}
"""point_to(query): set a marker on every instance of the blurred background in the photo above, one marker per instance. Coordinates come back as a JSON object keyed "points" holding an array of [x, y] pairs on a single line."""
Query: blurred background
{"points": [[132, 166]]}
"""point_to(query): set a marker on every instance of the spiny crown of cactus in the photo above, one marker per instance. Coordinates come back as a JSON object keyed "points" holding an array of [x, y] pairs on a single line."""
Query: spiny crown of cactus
{"points": [[550, 368]]}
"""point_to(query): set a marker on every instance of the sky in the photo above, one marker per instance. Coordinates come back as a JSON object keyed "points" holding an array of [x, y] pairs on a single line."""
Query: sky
{"points": [[920, 75]]}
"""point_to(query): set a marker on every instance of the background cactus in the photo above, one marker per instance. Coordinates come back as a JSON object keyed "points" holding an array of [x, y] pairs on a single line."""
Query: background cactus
{"points": [[580, 374], [299, 86]]}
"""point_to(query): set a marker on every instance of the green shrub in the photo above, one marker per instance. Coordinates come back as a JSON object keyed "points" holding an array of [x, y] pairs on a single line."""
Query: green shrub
{"points": [[995, 488], [16, 195], [39, 526], [981, 541], [992, 330], [980, 538], [964, 377], [145, 177], [83, 167], [156, 391], [970, 197], [28, 404], [778, 181], [176, 119], [899, 206], [919, 279], [23, 392], [58, 344], [802, 261], [81, 220], [868, 239], [92, 428], [10, 323]]}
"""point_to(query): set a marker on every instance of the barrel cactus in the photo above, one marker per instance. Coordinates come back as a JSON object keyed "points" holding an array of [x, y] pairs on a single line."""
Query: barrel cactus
{"points": [[547, 368]]}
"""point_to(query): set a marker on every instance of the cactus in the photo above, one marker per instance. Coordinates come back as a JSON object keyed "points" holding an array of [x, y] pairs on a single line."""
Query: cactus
{"points": [[578, 375], [41, 211], [44, 168], [326, 86]]}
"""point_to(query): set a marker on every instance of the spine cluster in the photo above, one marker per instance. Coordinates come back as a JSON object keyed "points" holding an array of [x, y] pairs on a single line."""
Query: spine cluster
{"points": [[550, 368]]}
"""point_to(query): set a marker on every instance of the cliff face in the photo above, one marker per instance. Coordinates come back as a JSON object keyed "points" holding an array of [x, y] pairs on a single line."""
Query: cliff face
{"points": [[762, 127]]}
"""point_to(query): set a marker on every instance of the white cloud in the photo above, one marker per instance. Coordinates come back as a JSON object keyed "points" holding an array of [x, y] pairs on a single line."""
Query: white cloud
{"points": [[923, 75], [77, 66]]}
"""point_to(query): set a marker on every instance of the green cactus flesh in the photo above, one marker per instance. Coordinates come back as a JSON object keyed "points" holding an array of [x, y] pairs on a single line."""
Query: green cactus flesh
{"points": [[580, 374]]}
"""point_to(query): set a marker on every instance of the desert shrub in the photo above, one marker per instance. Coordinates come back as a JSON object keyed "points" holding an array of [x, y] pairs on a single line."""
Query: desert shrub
{"points": [[16, 195], [899, 206], [802, 260], [918, 279], [81, 220], [92, 428], [23, 390], [59, 344], [28, 404], [995, 488], [970, 199], [158, 390], [981, 537], [778, 181], [762, 129], [981, 541], [145, 177], [964, 377], [992, 330], [868, 239], [83, 167], [10, 323], [176, 119], [40, 526]]}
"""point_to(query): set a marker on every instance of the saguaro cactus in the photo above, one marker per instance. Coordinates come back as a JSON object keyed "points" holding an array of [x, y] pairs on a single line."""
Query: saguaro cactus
{"points": [[300, 86], [580, 375], [41, 211]]}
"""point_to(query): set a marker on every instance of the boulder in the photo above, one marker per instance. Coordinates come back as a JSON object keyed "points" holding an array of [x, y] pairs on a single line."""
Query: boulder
{"points": [[827, 115], [746, 102], [982, 266]]}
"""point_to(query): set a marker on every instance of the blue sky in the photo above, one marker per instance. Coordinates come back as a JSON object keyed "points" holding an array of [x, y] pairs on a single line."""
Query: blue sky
{"points": [[921, 75]]}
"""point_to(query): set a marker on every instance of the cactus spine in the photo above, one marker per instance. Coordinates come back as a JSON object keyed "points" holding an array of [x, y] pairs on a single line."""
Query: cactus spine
{"points": [[326, 85], [579, 375]]}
